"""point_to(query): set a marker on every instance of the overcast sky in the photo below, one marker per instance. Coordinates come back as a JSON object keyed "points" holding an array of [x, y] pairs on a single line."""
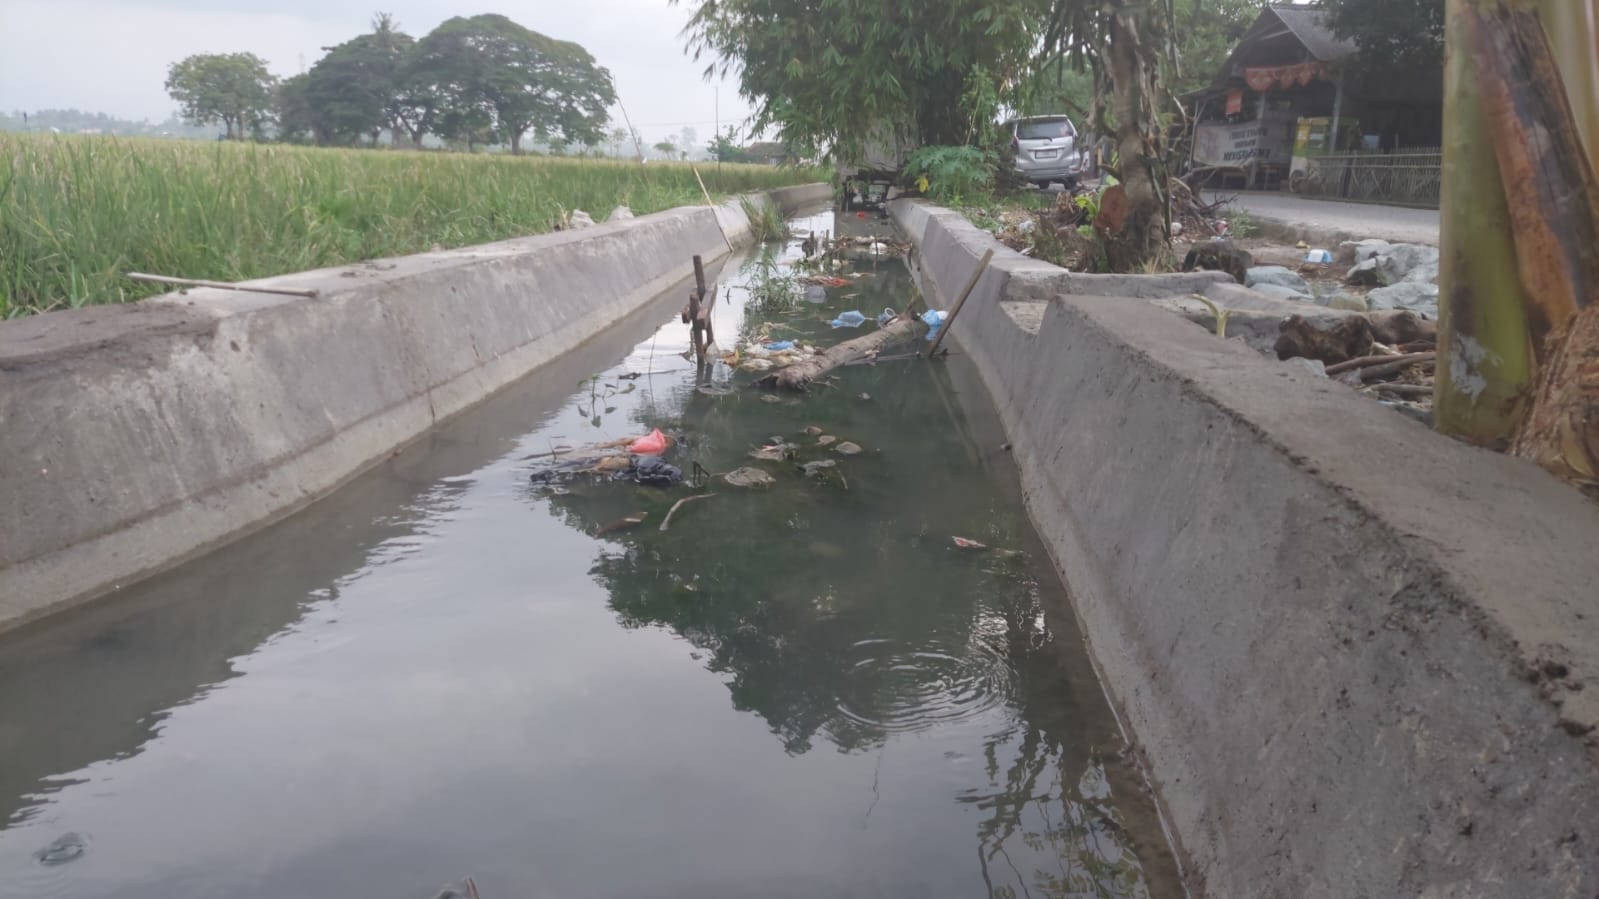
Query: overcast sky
{"points": [[111, 56]]}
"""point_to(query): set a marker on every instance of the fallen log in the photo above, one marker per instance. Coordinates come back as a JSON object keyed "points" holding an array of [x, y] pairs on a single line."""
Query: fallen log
{"points": [[800, 375]]}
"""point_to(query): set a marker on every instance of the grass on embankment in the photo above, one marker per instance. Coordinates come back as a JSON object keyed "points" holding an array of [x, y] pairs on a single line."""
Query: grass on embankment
{"points": [[76, 213]]}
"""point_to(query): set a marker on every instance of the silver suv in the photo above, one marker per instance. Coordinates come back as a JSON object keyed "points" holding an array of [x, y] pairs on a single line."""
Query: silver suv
{"points": [[1046, 149]]}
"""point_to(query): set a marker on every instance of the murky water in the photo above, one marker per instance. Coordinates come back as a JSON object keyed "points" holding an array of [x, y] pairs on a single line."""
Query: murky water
{"points": [[805, 691]]}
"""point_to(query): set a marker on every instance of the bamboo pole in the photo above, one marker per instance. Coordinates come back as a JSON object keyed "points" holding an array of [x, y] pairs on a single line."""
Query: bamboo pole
{"points": [[222, 285], [707, 195], [982, 265]]}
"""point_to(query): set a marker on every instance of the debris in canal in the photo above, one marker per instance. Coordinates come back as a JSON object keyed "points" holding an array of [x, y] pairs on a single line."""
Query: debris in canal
{"points": [[826, 440], [652, 444], [748, 478], [622, 524], [666, 522], [964, 543], [68, 847], [848, 448], [772, 452], [801, 374]]}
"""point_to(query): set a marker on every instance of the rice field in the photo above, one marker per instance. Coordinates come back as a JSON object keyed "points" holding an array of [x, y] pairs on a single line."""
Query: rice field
{"points": [[76, 213]]}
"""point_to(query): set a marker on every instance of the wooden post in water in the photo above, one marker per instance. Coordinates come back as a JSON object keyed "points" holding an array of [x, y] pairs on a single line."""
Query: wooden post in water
{"points": [[701, 303]]}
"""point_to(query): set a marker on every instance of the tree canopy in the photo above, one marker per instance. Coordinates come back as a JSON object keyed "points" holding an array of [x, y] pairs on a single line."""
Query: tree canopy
{"points": [[477, 80], [837, 74], [1397, 38], [234, 89]]}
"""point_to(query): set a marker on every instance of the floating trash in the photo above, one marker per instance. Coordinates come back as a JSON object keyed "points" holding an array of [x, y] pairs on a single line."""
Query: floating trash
{"points": [[851, 319], [755, 365], [848, 448], [749, 478], [622, 524], [826, 440], [780, 345], [68, 847], [817, 469], [813, 430], [964, 543], [772, 452], [652, 444], [771, 399]]}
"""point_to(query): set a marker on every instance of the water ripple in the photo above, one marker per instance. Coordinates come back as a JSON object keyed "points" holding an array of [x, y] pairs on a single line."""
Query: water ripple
{"points": [[898, 689]]}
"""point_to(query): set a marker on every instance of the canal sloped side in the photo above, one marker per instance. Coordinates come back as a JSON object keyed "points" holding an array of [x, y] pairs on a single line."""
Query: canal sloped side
{"points": [[1360, 658], [139, 435]]}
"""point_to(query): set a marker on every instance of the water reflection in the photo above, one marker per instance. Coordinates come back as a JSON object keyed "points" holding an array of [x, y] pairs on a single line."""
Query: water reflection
{"points": [[846, 613]]}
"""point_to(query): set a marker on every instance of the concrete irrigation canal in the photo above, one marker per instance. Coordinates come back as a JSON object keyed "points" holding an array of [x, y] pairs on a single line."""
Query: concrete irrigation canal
{"points": [[371, 593]]}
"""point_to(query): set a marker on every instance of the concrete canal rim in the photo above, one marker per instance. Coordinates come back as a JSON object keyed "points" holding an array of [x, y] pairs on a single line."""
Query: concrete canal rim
{"points": [[135, 437], [1359, 658]]}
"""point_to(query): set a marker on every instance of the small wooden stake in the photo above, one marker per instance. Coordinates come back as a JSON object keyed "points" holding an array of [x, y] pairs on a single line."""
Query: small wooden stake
{"points": [[971, 285], [222, 285]]}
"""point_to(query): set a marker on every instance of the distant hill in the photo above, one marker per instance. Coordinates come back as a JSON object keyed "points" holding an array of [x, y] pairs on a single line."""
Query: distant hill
{"points": [[75, 121]]}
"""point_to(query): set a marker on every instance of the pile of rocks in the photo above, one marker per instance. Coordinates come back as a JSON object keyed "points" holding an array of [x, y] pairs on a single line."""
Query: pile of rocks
{"points": [[1401, 275]]}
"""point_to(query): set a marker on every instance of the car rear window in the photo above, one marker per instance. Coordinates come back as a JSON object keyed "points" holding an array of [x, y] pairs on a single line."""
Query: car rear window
{"points": [[1044, 129]]}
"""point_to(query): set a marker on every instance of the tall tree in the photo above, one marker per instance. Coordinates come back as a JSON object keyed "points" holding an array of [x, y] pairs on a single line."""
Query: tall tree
{"points": [[1397, 38], [354, 90], [234, 89], [667, 148], [296, 120], [843, 74], [1126, 44], [488, 75]]}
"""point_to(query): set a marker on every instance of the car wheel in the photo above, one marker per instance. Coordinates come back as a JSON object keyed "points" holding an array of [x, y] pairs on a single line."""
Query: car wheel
{"points": [[1042, 185]]}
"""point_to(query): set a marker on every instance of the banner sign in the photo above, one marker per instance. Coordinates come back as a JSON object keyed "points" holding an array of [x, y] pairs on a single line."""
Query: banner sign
{"points": [[1219, 143], [1264, 78]]}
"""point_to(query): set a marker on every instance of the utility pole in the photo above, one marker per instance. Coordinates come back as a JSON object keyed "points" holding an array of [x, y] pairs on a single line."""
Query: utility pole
{"points": [[718, 89]]}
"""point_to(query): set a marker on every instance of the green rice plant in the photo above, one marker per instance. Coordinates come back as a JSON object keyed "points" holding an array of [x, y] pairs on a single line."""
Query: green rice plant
{"points": [[77, 213], [772, 291], [767, 223]]}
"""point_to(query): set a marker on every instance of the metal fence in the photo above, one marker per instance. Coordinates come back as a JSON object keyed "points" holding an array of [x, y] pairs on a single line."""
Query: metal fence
{"points": [[1410, 177]]}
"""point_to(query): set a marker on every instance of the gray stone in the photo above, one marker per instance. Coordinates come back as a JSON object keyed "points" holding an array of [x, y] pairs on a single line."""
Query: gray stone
{"points": [[620, 214], [580, 219], [1352, 302], [1416, 296], [1278, 275], [1314, 366], [1279, 292], [1426, 273], [1351, 252], [1404, 258]]}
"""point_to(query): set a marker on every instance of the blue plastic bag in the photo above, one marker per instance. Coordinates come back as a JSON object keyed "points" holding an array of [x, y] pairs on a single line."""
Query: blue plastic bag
{"points": [[935, 320], [850, 319], [780, 345]]}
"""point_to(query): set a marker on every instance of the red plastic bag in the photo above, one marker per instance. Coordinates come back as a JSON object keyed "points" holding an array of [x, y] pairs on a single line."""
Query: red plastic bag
{"points": [[652, 444]]}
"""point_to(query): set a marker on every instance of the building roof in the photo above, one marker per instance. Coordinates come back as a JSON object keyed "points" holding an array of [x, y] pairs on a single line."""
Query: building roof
{"points": [[1283, 35], [1309, 25]]}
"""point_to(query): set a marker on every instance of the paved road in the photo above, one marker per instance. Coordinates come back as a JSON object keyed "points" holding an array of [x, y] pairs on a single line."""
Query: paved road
{"points": [[1357, 220]]}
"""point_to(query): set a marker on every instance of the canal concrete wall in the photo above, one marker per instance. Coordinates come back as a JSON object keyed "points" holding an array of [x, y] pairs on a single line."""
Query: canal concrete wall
{"points": [[136, 436], [1357, 658]]}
